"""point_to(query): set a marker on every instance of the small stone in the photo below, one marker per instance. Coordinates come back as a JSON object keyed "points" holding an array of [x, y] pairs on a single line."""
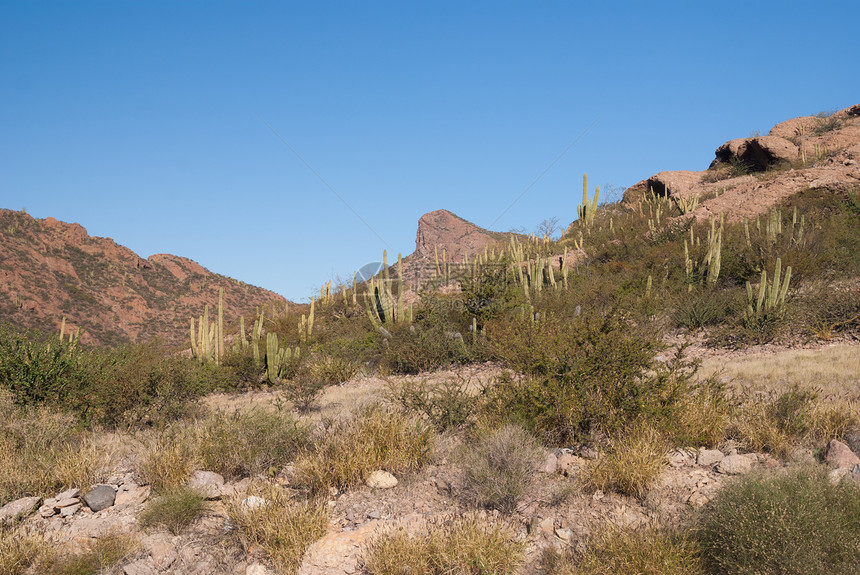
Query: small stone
{"points": [[252, 502], [709, 457], [374, 515], [550, 465], [257, 569], [51, 502], [18, 509], [140, 567], [133, 496], [547, 526], [735, 465], [568, 462], [70, 510], [698, 499], [47, 511], [209, 483], [67, 502], [839, 456], [381, 480], [564, 534], [73, 493], [162, 551], [100, 497]]}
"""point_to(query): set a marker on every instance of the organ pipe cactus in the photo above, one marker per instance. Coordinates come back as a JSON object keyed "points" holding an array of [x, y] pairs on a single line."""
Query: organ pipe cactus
{"points": [[587, 208], [770, 301]]}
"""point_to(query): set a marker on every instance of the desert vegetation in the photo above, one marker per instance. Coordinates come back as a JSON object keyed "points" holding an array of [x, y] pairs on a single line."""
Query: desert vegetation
{"points": [[591, 348]]}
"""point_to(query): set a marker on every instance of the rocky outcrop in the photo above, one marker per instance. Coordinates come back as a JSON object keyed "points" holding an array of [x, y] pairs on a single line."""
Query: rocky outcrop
{"points": [[750, 175], [50, 270], [443, 230]]}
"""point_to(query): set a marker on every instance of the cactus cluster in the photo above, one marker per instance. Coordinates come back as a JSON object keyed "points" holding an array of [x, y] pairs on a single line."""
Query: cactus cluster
{"points": [[207, 342], [708, 268], [770, 301], [278, 358], [381, 304]]}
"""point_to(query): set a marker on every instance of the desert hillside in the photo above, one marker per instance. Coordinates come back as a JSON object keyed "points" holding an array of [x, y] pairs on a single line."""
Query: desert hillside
{"points": [[50, 270]]}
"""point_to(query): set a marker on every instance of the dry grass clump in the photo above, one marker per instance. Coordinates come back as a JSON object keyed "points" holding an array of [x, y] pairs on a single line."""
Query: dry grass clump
{"points": [[636, 458], [174, 509], [349, 451], [464, 546], [102, 554], [42, 451], [167, 460], [702, 417], [626, 552], [499, 467], [795, 522], [244, 444], [18, 551], [283, 526]]}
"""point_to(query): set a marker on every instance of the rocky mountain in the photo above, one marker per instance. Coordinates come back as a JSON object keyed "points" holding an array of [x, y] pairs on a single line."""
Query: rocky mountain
{"points": [[50, 270], [750, 175]]}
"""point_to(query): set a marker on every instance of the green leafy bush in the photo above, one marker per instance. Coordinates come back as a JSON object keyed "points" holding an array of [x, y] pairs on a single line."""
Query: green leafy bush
{"points": [[795, 522], [174, 509]]}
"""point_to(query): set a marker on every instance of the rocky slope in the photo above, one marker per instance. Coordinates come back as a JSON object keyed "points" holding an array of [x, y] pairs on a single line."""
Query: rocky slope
{"points": [[750, 175], [51, 269]]}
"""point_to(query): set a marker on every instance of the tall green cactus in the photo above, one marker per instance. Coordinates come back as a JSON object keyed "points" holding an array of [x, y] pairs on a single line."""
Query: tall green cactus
{"points": [[587, 209]]}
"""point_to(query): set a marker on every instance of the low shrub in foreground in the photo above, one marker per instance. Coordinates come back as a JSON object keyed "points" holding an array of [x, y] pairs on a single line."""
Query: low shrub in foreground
{"points": [[499, 467], [794, 522], [174, 509], [102, 554], [349, 451], [447, 403], [244, 444], [18, 552], [42, 451], [635, 460], [167, 460], [465, 546], [284, 527], [626, 552]]}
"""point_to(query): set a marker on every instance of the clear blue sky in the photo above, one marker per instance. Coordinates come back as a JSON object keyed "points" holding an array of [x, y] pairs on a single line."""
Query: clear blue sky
{"points": [[146, 121]]}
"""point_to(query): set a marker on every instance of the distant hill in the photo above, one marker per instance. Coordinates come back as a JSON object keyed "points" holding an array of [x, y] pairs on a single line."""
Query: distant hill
{"points": [[51, 269]]}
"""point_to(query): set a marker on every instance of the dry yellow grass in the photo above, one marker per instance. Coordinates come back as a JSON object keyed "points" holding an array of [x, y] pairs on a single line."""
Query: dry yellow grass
{"points": [[833, 371]]}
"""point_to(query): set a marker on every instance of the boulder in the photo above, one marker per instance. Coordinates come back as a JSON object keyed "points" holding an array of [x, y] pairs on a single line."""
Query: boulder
{"points": [[550, 465], [735, 465], [209, 483], [100, 497], [381, 480], [18, 509], [709, 457], [839, 456]]}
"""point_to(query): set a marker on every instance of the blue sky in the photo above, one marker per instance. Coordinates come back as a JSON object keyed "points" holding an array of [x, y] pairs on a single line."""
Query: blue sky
{"points": [[148, 122]]}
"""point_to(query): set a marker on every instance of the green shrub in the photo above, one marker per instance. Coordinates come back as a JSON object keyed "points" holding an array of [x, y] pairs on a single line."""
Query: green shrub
{"points": [[174, 509], [624, 552], [500, 467], [447, 403], [349, 451], [795, 522], [585, 374], [465, 546], [251, 443]]}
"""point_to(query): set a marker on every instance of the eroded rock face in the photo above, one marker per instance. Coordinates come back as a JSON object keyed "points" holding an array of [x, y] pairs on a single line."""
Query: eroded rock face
{"points": [[758, 154], [444, 230]]}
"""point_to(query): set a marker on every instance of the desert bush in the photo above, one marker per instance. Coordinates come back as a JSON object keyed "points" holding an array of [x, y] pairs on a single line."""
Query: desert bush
{"points": [[422, 348], [174, 508], [627, 552], [167, 460], [636, 458], [446, 403], [704, 308], [332, 370], [585, 375], [250, 443], [499, 467], [38, 370], [102, 554], [18, 552], [350, 450], [794, 522], [43, 451], [464, 546], [283, 526]]}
